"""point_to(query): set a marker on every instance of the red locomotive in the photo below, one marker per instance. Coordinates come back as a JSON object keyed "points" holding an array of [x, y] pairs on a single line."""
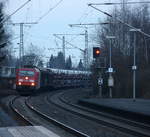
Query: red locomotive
{"points": [[33, 79]]}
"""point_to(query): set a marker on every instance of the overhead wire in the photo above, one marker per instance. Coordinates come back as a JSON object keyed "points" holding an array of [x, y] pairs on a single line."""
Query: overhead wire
{"points": [[37, 36], [119, 20], [8, 17], [49, 10], [82, 17], [70, 43], [56, 42], [28, 12], [45, 14]]}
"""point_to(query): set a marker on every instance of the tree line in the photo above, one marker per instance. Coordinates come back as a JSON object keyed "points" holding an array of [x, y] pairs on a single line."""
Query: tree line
{"points": [[59, 62], [5, 55], [122, 50]]}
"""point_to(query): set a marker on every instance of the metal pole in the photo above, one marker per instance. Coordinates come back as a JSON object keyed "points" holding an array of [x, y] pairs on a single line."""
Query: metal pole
{"points": [[21, 44], [134, 67], [22, 29], [123, 27], [64, 47], [110, 54], [86, 49], [100, 86], [110, 90]]}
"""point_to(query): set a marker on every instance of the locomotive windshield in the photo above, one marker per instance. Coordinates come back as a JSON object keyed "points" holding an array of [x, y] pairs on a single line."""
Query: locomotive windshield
{"points": [[26, 73]]}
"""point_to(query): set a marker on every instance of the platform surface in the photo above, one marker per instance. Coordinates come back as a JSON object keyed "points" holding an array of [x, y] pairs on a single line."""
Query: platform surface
{"points": [[141, 106], [26, 131]]}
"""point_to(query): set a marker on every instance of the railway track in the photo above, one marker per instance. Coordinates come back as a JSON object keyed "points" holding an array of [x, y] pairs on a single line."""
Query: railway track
{"points": [[28, 121], [18, 113], [119, 124], [115, 122], [81, 125], [114, 117], [61, 125]]}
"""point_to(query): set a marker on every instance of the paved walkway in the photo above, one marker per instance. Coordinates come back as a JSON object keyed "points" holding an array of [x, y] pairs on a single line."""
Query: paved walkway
{"points": [[28, 131]]}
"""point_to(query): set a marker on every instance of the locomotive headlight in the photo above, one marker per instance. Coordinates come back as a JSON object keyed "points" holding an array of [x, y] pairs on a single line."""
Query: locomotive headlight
{"points": [[32, 84], [19, 83], [26, 78]]}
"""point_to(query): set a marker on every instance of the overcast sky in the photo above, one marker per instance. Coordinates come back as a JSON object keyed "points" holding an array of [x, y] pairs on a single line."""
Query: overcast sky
{"points": [[67, 12]]}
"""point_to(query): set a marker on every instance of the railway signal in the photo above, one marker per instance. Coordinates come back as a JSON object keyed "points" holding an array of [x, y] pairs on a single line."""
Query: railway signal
{"points": [[96, 52]]}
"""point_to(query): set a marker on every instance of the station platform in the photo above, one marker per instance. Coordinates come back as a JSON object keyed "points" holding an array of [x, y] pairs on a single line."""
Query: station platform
{"points": [[138, 106], [26, 131]]}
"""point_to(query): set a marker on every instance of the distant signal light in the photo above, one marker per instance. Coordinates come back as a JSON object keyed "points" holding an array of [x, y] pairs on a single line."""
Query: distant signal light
{"points": [[96, 52]]}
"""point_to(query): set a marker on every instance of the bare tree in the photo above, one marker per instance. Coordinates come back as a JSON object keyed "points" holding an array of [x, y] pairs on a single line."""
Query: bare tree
{"points": [[4, 38], [122, 48], [33, 56]]}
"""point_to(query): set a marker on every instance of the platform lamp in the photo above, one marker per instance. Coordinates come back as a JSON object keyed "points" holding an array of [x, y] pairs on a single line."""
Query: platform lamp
{"points": [[134, 67], [110, 69]]}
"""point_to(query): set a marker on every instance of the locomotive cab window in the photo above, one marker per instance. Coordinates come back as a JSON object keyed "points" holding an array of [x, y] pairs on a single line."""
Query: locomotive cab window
{"points": [[26, 73]]}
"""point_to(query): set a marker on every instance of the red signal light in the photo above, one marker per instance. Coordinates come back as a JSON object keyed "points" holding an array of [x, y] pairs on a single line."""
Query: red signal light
{"points": [[96, 52]]}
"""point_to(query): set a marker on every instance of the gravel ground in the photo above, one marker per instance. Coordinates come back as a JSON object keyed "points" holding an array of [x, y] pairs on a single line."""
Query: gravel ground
{"points": [[89, 127], [76, 95]]}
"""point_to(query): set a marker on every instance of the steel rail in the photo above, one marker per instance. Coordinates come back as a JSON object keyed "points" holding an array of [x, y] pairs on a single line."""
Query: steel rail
{"points": [[15, 110], [119, 118], [54, 121], [107, 123]]}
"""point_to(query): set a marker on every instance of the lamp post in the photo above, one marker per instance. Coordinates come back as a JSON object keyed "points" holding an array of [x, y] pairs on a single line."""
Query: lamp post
{"points": [[110, 69], [134, 67]]}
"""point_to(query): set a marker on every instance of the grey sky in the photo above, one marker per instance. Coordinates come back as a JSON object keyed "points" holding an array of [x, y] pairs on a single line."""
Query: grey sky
{"points": [[68, 12]]}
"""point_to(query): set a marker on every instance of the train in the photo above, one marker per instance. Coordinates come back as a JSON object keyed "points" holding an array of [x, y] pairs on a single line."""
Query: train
{"points": [[32, 79]]}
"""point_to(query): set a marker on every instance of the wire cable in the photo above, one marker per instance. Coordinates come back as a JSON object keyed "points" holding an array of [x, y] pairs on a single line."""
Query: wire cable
{"points": [[119, 20], [45, 14], [50, 9], [5, 19], [8, 17]]}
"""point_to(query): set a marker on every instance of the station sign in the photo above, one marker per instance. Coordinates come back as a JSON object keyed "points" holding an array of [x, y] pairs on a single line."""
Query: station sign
{"points": [[100, 81], [134, 67], [110, 70]]}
